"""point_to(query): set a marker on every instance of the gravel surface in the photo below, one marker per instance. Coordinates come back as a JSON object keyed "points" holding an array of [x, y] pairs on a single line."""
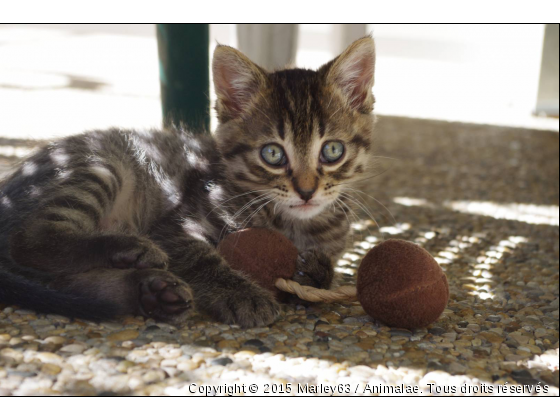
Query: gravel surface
{"points": [[483, 200]]}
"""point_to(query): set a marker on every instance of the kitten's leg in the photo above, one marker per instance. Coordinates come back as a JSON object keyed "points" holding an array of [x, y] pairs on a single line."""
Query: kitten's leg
{"points": [[64, 235], [314, 268], [155, 293], [219, 291]]}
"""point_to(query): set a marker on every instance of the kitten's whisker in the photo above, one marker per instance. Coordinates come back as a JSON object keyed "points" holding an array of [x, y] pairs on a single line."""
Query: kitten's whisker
{"points": [[234, 197], [335, 112], [250, 217], [240, 211], [377, 201], [234, 224], [248, 204], [364, 208], [356, 218], [347, 218], [352, 212], [262, 112], [384, 157], [265, 98], [329, 104], [255, 212], [362, 179], [358, 221]]}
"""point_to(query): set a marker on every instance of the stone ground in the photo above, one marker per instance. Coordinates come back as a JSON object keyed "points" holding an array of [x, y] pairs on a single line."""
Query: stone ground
{"points": [[482, 199]]}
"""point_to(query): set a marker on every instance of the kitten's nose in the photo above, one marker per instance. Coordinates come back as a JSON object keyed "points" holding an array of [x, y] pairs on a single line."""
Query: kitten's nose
{"points": [[305, 186], [305, 194]]}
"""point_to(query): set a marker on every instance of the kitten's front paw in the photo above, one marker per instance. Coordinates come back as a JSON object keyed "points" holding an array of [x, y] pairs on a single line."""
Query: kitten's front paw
{"points": [[314, 268], [248, 306]]}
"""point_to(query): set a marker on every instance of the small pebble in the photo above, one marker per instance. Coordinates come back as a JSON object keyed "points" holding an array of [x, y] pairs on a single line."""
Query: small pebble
{"points": [[254, 342], [222, 361], [436, 331], [73, 348]]}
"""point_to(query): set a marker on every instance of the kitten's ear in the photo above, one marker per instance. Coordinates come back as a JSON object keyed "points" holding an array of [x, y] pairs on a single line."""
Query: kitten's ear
{"points": [[236, 81], [352, 72]]}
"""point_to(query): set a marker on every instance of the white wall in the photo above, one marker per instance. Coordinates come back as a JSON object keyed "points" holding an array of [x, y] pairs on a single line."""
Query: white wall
{"points": [[473, 73]]}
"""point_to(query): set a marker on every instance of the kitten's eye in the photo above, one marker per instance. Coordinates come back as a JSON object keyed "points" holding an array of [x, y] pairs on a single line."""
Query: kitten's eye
{"points": [[273, 155], [332, 151]]}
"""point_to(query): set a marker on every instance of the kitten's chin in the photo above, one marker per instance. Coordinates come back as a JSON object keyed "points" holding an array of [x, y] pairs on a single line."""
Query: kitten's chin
{"points": [[303, 211]]}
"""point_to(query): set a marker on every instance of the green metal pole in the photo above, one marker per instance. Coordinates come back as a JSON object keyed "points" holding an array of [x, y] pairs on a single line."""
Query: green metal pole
{"points": [[185, 74]]}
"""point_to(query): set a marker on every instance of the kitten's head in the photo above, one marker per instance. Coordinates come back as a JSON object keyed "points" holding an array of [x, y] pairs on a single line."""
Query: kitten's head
{"points": [[299, 135]]}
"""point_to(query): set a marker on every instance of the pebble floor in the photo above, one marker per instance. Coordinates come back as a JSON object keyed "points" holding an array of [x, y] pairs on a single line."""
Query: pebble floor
{"points": [[482, 199]]}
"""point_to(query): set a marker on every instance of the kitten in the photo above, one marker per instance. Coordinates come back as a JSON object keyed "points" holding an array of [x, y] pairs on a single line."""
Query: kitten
{"points": [[118, 222]]}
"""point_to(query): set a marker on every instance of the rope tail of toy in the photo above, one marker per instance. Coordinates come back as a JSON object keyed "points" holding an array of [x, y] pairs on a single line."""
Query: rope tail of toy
{"points": [[311, 294]]}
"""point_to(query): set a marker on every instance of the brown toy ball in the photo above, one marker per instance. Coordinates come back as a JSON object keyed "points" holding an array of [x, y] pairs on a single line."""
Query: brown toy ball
{"points": [[262, 254], [402, 285]]}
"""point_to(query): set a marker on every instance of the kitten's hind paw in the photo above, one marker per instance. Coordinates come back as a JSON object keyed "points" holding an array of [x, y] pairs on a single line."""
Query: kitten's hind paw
{"points": [[138, 253], [163, 296]]}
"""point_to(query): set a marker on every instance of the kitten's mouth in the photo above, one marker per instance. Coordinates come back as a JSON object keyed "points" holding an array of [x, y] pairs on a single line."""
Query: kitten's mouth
{"points": [[305, 210], [304, 206]]}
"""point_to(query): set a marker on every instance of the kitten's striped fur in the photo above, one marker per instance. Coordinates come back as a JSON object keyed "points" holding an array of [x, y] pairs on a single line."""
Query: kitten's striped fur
{"points": [[114, 222]]}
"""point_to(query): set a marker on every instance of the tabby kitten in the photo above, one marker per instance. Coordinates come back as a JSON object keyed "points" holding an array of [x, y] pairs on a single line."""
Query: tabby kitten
{"points": [[119, 222]]}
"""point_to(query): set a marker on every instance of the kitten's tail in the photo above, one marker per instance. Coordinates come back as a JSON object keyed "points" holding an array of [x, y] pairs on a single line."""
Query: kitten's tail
{"points": [[17, 290]]}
